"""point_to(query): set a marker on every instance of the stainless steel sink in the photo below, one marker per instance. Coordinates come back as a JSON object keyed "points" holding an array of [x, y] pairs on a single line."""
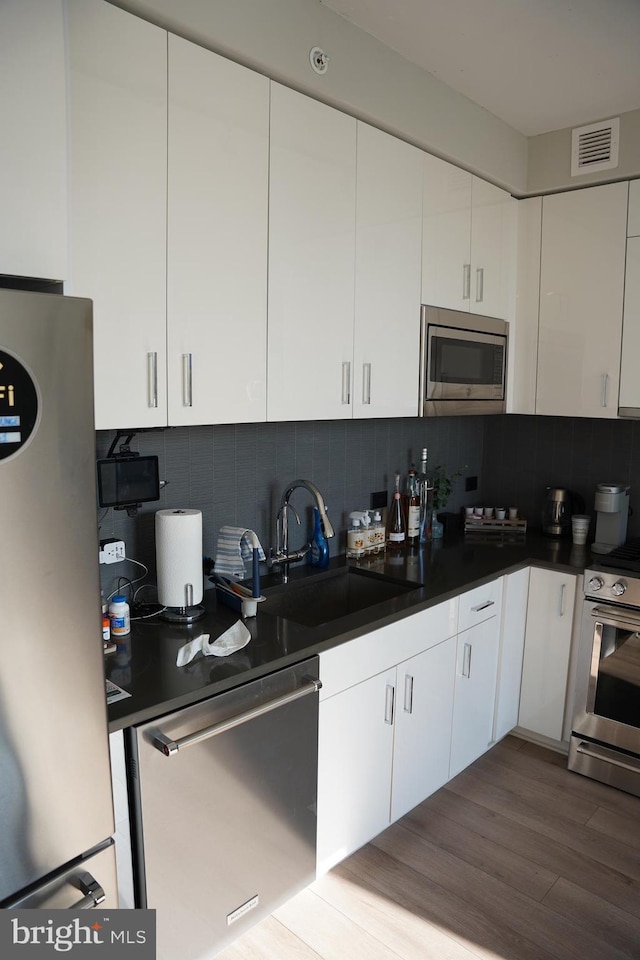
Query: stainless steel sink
{"points": [[330, 596]]}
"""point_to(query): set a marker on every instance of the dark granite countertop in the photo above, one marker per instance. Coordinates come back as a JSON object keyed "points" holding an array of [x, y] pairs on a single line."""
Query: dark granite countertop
{"points": [[145, 666]]}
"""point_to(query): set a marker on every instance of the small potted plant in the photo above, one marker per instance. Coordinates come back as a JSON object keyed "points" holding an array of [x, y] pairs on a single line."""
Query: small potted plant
{"points": [[442, 486]]}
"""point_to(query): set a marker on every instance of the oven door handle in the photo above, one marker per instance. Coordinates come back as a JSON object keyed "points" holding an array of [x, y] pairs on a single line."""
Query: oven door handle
{"points": [[614, 617], [170, 747]]}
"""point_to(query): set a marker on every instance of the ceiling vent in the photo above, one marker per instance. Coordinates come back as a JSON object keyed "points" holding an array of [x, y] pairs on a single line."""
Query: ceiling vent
{"points": [[595, 147]]}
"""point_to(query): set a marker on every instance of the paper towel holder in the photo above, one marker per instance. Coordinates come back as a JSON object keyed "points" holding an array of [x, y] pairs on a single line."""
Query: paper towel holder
{"points": [[187, 614]]}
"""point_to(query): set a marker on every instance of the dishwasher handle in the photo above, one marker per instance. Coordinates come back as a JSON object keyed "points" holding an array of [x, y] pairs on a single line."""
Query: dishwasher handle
{"points": [[170, 747]]}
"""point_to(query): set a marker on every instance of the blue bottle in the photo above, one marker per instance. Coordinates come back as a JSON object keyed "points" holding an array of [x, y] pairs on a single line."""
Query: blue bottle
{"points": [[319, 552]]}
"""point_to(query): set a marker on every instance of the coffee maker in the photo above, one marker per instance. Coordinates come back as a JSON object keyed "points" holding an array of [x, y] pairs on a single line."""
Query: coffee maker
{"points": [[612, 508], [557, 510]]}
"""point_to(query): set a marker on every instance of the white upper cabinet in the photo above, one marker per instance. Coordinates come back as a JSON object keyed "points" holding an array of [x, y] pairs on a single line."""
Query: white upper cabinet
{"points": [[446, 235], [118, 178], [387, 276], [629, 380], [33, 142], [581, 294], [493, 250], [469, 242], [633, 220], [217, 238], [312, 198]]}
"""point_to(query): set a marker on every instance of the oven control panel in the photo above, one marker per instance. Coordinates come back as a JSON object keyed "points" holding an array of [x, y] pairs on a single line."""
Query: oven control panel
{"points": [[613, 586]]}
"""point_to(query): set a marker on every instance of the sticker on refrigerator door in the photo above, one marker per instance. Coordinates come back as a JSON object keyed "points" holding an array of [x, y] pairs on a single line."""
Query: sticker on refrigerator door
{"points": [[32, 933], [19, 405]]}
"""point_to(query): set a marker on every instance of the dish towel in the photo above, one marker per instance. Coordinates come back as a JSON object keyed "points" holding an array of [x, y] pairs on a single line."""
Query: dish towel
{"points": [[234, 546]]}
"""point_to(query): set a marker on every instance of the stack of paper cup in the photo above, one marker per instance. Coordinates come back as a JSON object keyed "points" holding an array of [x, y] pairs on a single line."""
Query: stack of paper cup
{"points": [[580, 527]]}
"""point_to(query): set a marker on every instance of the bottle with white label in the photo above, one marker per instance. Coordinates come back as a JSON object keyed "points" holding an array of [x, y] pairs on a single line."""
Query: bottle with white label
{"points": [[413, 510], [119, 618], [396, 526], [355, 539]]}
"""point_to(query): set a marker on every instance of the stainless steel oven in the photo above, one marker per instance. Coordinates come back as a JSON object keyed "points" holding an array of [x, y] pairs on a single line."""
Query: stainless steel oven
{"points": [[605, 740], [463, 363]]}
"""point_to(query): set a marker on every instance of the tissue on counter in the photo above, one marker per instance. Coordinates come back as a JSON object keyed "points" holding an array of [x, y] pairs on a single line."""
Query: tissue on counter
{"points": [[235, 638]]}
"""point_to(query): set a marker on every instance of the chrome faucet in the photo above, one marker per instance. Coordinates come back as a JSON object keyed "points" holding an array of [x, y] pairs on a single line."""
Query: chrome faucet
{"points": [[281, 556]]}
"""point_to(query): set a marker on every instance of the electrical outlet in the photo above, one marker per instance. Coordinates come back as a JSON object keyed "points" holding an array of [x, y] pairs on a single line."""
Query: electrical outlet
{"points": [[112, 551], [470, 483], [378, 500]]}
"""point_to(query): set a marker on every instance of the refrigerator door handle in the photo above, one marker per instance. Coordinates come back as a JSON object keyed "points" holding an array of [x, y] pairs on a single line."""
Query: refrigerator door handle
{"points": [[93, 892]]}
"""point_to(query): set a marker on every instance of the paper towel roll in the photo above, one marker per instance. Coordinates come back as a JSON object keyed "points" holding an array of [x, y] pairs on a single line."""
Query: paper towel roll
{"points": [[179, 557]]}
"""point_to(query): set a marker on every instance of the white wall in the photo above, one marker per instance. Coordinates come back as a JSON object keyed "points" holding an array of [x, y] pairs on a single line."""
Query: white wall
{"points": [[365, 78]]}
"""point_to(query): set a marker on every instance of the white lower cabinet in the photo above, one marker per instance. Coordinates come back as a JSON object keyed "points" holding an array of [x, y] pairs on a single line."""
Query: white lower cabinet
{"points": [[547, 652], [424, 708], [475, 689], [355, 753], [512, 634]]}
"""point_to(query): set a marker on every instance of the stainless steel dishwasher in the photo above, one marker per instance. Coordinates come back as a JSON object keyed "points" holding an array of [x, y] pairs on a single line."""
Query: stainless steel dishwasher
{"points": [[223, 795]]}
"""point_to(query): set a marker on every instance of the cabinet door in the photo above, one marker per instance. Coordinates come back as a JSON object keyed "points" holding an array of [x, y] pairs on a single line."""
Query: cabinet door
{"points": [[446, 235], [217, 238], [633, 220], [355, 747], [118, 187], [512, 633], [546, 652], [33, 186], [312, 197], [581, 291], [475, 690], [387, 279], [629, 381], [424, 713], [493, 251]]}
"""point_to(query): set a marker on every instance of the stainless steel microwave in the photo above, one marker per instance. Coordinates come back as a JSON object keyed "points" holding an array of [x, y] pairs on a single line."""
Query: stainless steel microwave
{"points": [[463, 363]]}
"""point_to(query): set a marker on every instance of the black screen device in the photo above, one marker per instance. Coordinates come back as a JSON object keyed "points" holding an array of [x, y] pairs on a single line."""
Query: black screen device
{"points": [[127, 481]]}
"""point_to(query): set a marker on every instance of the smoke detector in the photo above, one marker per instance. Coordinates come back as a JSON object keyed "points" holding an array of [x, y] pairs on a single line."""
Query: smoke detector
{"points": [[595, 147], [319, 60]]}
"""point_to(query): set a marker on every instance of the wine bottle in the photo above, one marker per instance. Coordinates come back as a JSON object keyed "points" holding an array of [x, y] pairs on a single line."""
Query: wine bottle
{"points": [[396, 527], [425, 493], [413, 509]]}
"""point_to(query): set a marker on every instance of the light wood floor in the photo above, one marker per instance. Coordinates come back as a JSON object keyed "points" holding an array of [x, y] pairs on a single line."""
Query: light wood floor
{"points": [[516, 858]]}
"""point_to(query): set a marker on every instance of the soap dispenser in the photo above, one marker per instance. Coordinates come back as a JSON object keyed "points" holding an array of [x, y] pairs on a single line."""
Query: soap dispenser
{"points": [[319, 552]]}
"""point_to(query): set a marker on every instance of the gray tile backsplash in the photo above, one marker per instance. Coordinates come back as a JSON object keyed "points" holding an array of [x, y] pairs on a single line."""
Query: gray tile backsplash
{"points": [[235, 473], [523, 455]]}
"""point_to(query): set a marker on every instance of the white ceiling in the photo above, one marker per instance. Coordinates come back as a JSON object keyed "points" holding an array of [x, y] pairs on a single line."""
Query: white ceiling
{"points": [[539, 65]]}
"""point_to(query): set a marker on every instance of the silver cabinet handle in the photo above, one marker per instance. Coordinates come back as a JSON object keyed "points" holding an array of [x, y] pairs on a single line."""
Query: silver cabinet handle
{"points": [[466, 281], [93, 892], [152, 378], [170, 747], [408, 693], [601, 753], [346, 382], [605, 388], [562, 591], [479, 284], [366, 383], [187, 379], [482, 606], [389, 700], [466, 660]]}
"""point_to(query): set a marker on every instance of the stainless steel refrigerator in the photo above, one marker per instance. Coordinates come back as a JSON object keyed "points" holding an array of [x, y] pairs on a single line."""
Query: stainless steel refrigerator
{"points": [[56, 813]]}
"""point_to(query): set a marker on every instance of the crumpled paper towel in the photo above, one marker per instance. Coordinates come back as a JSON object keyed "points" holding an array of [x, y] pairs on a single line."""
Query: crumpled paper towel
{"points": [[235, 638]]}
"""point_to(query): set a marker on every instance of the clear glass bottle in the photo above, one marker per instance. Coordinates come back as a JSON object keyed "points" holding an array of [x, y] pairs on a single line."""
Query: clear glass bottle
{"points": [[396, 526], [413, 509], [425, 494]]}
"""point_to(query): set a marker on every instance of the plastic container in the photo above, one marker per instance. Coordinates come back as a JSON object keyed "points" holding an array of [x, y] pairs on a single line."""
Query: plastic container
{"points": [[119, 617], [355, 539], [319, 552]]}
